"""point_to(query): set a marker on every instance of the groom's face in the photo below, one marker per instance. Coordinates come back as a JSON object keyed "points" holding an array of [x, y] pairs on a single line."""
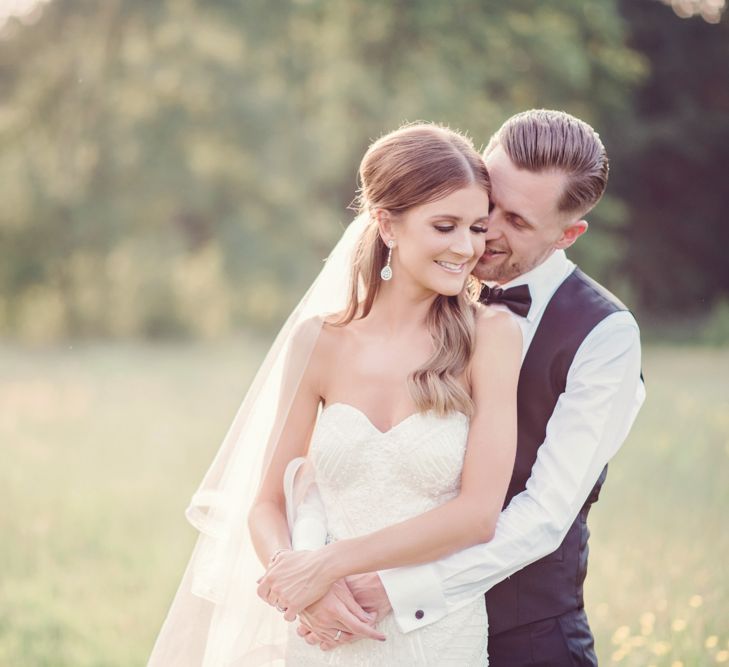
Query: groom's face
{"points": [[524, 226]]}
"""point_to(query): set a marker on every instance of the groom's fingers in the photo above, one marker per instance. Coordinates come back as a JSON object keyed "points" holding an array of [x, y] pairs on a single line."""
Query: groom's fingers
{"points": [[354, 608], [356, 627], [330, 643], [348, 621], [309, 635]]}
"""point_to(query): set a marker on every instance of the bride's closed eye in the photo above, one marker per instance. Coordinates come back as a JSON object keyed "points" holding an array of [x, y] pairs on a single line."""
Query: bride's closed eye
{"points": [[479, 229]]}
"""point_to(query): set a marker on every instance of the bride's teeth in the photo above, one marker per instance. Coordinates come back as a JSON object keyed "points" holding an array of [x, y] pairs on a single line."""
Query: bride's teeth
{"points": [[450, 267]]}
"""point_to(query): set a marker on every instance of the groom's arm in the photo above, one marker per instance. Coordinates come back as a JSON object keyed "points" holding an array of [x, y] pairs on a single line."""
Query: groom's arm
{"points": [[589, 424]]}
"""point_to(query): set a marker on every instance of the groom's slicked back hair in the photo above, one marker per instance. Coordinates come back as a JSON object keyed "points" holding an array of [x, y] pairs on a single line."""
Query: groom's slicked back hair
{"points": [[545, 140]]}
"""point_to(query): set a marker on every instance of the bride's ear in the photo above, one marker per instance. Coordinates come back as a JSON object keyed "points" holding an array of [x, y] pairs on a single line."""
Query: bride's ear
{"points": [[384, 223]]}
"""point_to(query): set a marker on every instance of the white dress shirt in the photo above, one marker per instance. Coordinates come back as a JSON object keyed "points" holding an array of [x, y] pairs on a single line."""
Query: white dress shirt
{"points": [[589, 424]]}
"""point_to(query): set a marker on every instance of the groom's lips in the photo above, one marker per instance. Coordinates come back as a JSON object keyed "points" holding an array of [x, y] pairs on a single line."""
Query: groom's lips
{"points": [[491, 253]]}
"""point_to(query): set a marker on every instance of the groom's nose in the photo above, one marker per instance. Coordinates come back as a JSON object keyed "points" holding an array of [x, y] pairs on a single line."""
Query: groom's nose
{"points": [[495, 226]]}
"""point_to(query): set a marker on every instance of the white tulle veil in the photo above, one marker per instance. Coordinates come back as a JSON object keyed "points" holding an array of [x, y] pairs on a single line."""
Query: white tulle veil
{"points": [[216, 619]]}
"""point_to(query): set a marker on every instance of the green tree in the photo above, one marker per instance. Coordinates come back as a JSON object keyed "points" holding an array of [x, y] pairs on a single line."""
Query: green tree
{"points": [[183, 167], [672, 166]]}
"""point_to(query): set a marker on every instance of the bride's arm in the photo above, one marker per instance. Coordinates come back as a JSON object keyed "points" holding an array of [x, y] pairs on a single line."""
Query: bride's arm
{"points": [[468, 519], [267, 519], [298, 407]]}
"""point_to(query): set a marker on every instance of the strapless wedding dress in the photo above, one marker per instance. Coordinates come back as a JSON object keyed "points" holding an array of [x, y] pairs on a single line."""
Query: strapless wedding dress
{"points": [[368, 480]]}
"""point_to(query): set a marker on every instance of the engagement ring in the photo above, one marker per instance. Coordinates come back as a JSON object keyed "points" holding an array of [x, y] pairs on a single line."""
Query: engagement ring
{"points": [[338, 635]]}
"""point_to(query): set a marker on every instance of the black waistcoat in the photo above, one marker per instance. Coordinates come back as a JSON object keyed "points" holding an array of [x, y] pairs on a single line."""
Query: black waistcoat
{"points": [[552, 585]]}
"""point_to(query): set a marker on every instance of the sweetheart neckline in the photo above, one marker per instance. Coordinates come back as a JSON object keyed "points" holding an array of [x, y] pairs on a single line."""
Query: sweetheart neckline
{"points": [[395, 426]]}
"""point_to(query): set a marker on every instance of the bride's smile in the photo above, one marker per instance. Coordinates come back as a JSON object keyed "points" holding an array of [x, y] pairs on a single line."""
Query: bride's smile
{"points": [[451, 268]]}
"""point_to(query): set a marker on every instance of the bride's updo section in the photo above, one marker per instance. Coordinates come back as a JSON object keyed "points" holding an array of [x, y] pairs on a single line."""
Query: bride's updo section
{"points": [[414, 165]]}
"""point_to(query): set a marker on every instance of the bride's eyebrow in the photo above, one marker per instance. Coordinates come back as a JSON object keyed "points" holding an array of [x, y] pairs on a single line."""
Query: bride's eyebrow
{"points": [[455, 218]]}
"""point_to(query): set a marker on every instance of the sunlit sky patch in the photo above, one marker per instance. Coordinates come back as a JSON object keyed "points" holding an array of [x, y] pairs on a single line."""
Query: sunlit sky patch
{"points": [[710, 10], [27, 11]]}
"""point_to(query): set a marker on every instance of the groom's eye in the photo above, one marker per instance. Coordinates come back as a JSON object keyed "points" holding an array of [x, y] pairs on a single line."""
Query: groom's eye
{"points": [[514, 220]]}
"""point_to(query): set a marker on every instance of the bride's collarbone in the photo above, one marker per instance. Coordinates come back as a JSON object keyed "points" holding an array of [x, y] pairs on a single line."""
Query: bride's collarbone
{"points": [[378, 354]]}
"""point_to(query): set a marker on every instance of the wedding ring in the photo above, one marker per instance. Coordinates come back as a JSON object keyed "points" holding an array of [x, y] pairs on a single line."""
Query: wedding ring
{"points": [[278, 608], [338, 635]]}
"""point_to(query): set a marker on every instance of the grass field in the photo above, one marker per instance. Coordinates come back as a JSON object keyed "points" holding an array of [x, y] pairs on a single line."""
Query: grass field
{"points": [[103, 445]]}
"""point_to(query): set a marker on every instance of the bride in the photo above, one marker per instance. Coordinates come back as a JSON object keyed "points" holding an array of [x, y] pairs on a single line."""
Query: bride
{"points": [[400, 391]]}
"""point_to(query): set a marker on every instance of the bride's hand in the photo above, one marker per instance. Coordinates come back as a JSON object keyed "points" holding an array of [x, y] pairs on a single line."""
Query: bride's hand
{"points": [[295, 580]]}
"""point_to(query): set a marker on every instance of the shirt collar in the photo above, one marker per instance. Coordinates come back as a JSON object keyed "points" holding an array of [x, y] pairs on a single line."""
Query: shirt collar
{"points": [[543, 280]]}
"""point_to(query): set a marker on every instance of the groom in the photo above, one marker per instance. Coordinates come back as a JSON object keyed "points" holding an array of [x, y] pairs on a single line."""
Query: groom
{"points": [[579, 393]]}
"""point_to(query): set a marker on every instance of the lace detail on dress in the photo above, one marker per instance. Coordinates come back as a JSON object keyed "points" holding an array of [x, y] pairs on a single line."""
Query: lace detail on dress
{"points": [[369, 479]]}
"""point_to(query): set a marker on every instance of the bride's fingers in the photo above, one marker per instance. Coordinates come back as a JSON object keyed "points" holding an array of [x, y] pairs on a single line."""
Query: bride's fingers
{"points": [[270, 597], [290, 614], [266, 593], [263, 591]]}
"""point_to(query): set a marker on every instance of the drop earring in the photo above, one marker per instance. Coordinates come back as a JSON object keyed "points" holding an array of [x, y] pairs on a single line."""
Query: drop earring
{"points": [[386, 273]]}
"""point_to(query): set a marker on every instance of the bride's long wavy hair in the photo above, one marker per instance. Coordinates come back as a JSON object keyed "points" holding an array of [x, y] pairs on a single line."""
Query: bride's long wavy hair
{"points": [[414, 165]]}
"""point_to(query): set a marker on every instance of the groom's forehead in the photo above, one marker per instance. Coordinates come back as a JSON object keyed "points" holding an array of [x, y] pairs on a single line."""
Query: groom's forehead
{"points": [[511, 186]]}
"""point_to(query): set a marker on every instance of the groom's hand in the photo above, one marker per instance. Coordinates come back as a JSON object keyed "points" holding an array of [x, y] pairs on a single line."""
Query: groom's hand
{"points": [[337, 610], [370, 594]]}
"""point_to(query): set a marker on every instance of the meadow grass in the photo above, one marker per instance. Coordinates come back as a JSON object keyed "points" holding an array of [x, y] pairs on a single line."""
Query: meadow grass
{"points": [[102, 446]]}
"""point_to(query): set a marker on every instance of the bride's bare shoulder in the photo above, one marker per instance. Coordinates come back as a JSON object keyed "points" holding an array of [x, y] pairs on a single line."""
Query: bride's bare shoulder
{"points": [[496, 325], [320, 333]]}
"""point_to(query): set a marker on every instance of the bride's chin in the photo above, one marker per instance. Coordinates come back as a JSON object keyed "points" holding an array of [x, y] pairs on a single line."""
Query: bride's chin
{"points": [[451, 290]]}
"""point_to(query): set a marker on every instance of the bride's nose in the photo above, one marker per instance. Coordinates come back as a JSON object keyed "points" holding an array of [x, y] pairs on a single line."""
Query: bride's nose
{"points": [[463, 244]]}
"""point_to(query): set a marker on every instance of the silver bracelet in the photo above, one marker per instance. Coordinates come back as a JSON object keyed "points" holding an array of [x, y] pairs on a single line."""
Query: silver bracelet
{"points": [[276, 553]]}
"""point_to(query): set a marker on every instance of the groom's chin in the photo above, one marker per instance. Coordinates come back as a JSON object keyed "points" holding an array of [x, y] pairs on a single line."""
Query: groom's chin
{"points": [[484, 272]]}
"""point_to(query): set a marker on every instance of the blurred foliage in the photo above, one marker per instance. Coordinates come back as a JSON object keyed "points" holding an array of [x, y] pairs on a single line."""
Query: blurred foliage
{"points": [[181, 168], [672, 169], [716, 329]]}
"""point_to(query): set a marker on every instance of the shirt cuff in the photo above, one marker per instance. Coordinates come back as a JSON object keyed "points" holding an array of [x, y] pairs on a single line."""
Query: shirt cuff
{"points": [[415, 594]]}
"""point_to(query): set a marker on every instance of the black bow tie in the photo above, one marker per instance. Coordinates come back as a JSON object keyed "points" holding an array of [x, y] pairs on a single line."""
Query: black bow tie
{"points": [[517, 299]]}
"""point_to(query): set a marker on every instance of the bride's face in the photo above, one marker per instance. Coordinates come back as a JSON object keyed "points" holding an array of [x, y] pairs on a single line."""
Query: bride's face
{"points": [[439, 243]]}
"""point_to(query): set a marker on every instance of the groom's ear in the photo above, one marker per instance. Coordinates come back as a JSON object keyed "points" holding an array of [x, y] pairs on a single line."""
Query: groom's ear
{"points": [[571, 233]]}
